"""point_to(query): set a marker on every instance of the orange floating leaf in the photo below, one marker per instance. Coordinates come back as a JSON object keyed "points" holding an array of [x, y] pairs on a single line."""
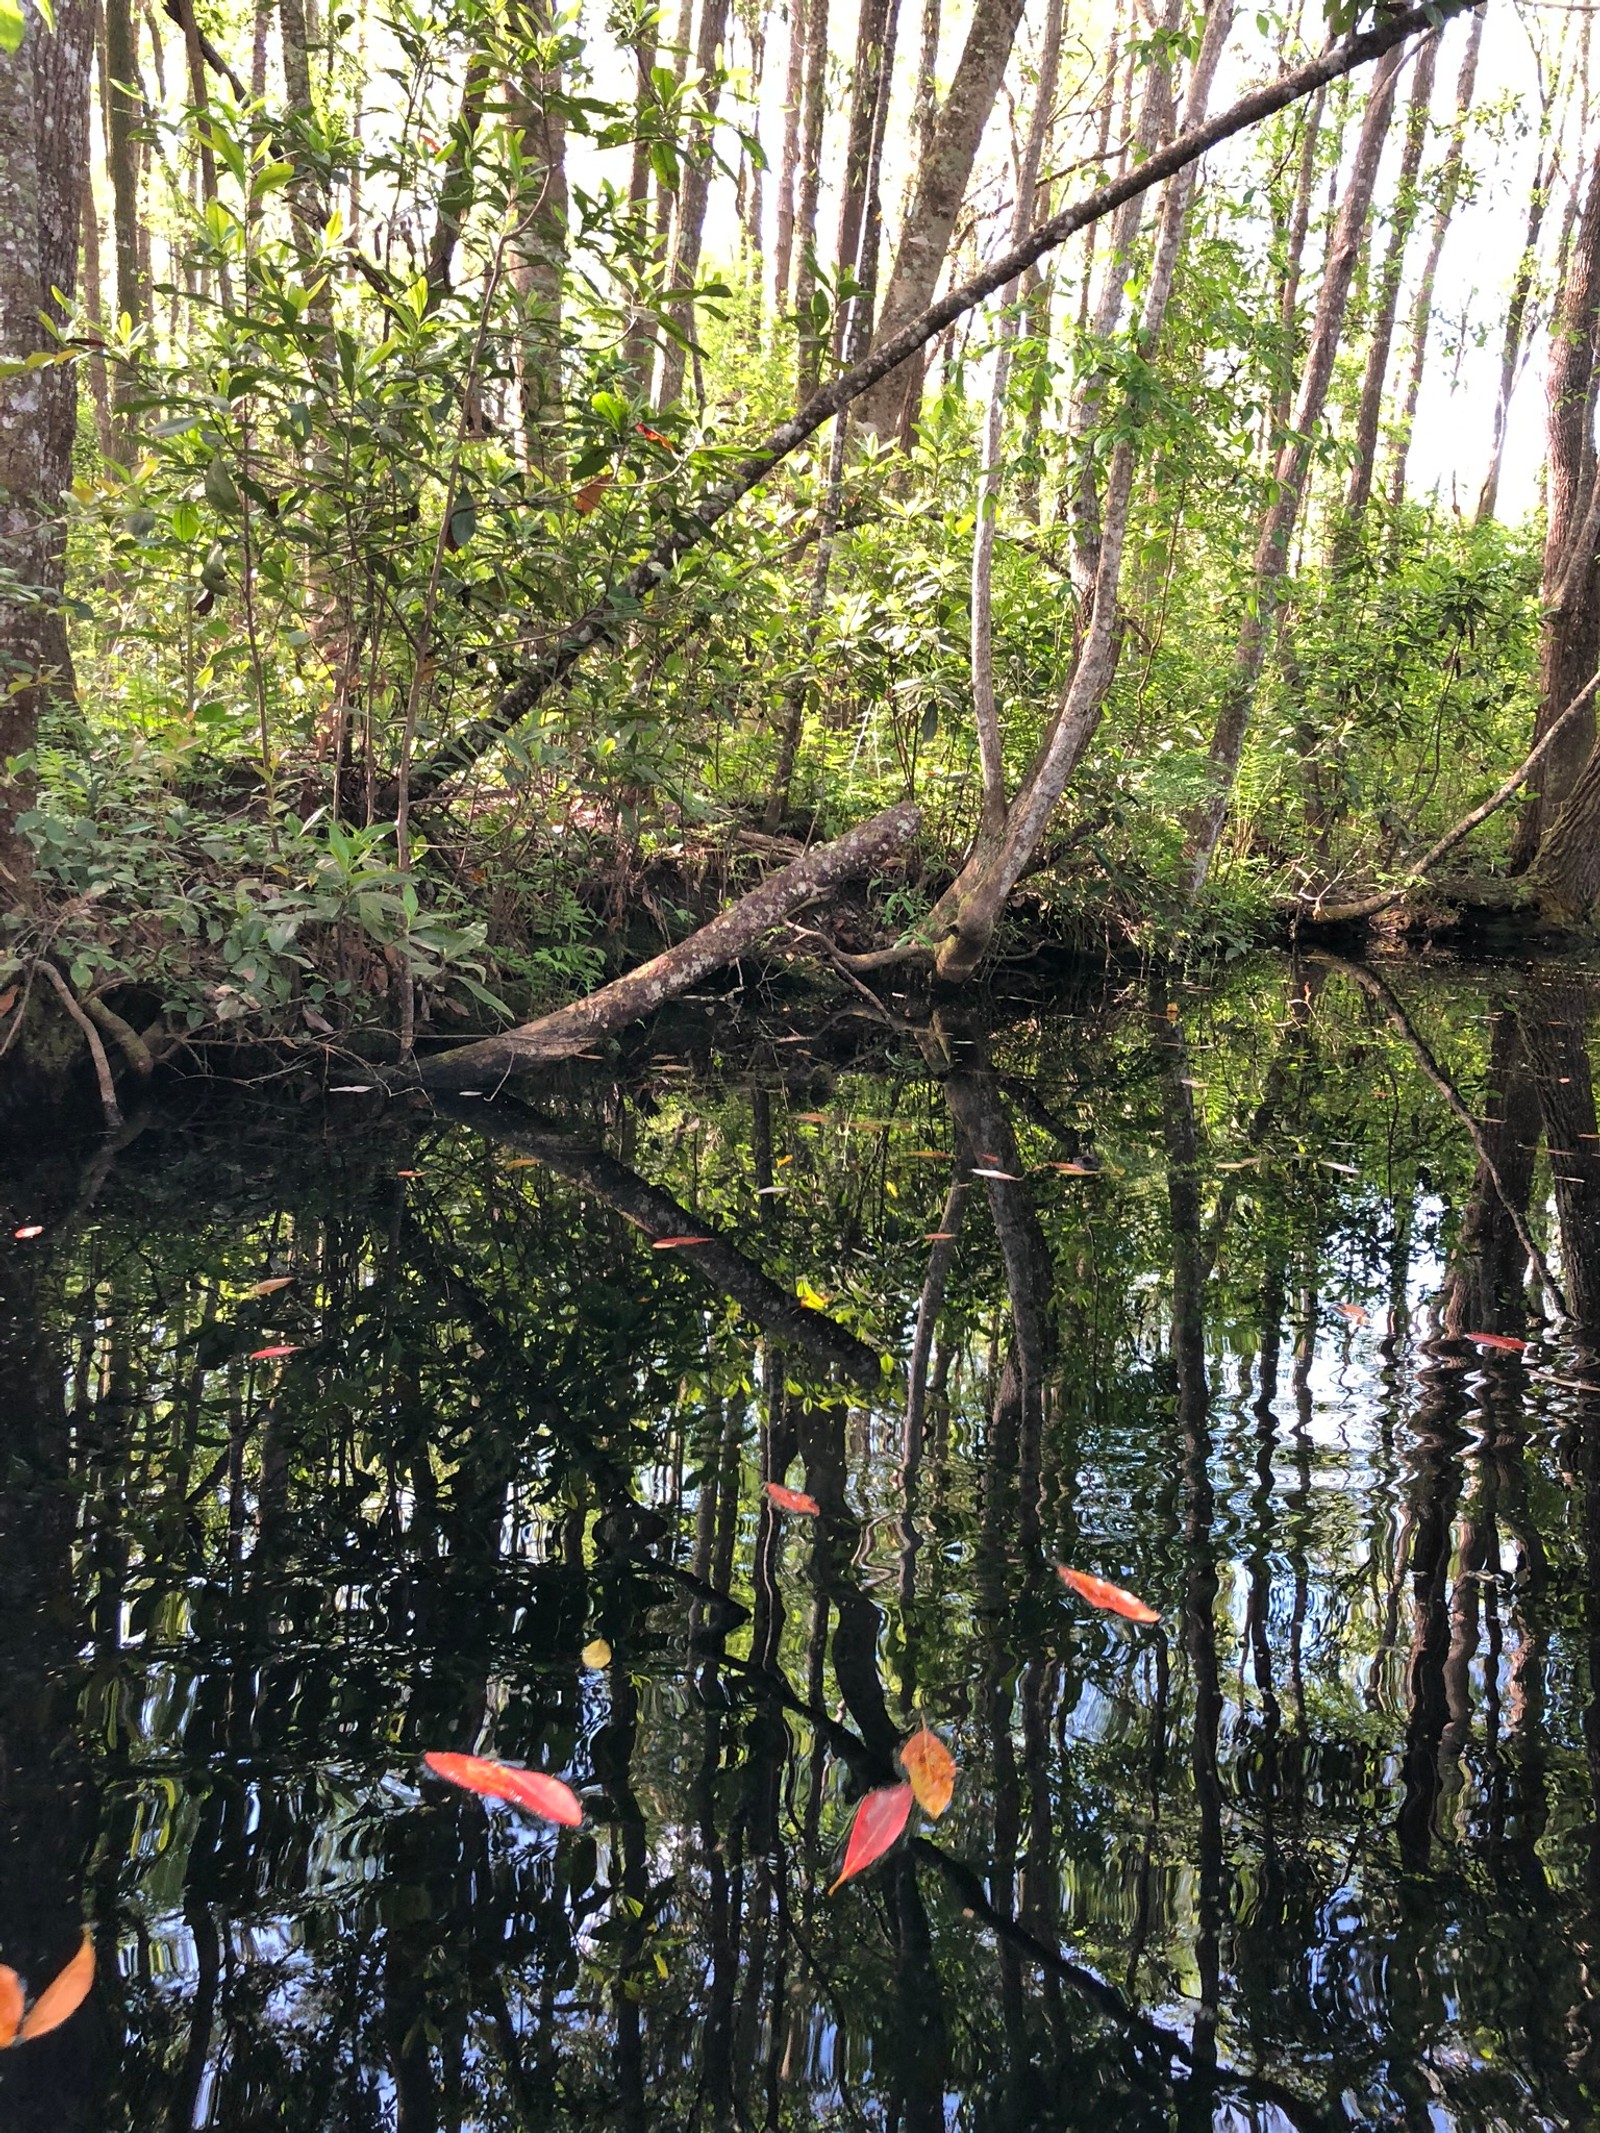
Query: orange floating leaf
{"points": [[1354, 1313], [63, 1996], [793, 1500], [585, 499], [880, 1818], [1073, 1170], [8, 999], [670, 1244], [29, 1229], [274, 1354], [930, 1766], [1100, 1592], [408, 1173], [644, 430], [540, 1795], [939, 1236], [270, 1288], [1502, 1341], [1008, 1176], [10, 2004]]}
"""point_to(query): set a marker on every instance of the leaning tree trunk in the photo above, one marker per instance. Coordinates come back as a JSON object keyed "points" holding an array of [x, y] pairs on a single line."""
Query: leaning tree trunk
{"points": [[44, 151], [1291, 472], [1570, 640], [941, 185]]}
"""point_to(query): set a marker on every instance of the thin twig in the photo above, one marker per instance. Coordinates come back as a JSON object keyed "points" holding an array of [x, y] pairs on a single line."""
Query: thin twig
{"points": [[97, 1051]]}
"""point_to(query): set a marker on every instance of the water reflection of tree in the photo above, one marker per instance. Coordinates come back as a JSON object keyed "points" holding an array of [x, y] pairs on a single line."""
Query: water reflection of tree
{"points": [[288, 1583]]}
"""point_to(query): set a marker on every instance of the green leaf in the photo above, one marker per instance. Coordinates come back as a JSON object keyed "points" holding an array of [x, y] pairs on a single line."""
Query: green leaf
{"points": [[221, 491], [12, 26]]}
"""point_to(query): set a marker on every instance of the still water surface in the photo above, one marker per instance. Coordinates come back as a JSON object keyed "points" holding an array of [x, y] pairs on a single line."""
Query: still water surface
{"points": [[1168, 1283]]}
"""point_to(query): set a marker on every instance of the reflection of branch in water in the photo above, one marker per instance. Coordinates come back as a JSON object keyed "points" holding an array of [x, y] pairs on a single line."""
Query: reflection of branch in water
{"points": [[659, 1215], [976, 1905], [1400, 1021]]}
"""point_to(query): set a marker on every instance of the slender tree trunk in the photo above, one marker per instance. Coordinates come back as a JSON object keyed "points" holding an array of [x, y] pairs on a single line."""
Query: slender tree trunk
{"points": [[308, 203], [1511, 341], [1385, 296], [693, 188], [964, 919], [986, 715], [1291, 471], [540, 248], [124, 112], [639, 342], [874, 55], [925, 108], [94, 313], [808, 357], [44, 157], [1570, 640], [457, 186], [1422, 311], [941, 185], [1294, 260], [789, 160]]}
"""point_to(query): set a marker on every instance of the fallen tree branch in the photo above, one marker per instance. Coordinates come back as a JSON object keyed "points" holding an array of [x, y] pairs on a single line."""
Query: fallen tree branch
{"points": [[91, 1036], [642, 991], [621, 605], [1325, 914], [657, 1214]]}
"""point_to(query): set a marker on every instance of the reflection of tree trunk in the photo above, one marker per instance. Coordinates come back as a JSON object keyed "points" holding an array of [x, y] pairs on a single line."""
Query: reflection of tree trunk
{"points": [[1433, 1491], [1555, 1022], [1486, 1290]]}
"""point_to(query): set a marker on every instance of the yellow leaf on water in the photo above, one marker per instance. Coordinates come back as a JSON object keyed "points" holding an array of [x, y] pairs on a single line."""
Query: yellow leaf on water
{"points": [[596, 1653], [930, 1766]]}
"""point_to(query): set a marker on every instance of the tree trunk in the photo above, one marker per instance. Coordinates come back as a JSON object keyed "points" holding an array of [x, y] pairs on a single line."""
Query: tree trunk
{"points": [[1385, 296], [693, 188], [789, 160], [457, 187], [308, 204], [1422, 313], [874, 57], [638, 344], [1290, 473], [941, 186], [1516, 319], [124, 113], [925, 108], [986, 714], [94, 314], [1294, 259], [642, 991], [44, 156], [540, 246], [1570, 639], [808, 355], [964, 919]]}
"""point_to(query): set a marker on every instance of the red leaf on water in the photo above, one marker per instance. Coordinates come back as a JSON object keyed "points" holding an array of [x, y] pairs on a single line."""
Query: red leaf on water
{"points": [[1100, 1592], [63, 1996], [793, 1500], [880, 1818], [540, 1795], [1354, 1313], [10, 2004], [670, 1244], [1496, 1340], [932, 1770], [272, 1355], [29, 1229]]}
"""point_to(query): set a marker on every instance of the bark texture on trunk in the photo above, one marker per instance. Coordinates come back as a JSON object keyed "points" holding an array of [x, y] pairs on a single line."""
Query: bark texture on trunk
{"points": [[642, 991], [44, 153], [1294, 260], [1289, 474], [693, 189], [124, 113], [941, 185], [540, 246], [1516, 321], [814, 112], [1570, 640]]}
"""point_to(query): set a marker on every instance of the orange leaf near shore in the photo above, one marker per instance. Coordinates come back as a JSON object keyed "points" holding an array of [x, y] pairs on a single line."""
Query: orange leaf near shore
{"points": [[540, 1795], [10, 2004], [793, 1500], [585, 499], [671, 1244], [930, 1766], [1503, 1341], [1100, 1592], [880, 1818], [1354, 1313]]}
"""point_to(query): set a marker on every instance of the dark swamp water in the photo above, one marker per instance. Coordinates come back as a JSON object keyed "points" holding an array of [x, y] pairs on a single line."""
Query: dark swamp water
{"points": [[1322, 1848]]}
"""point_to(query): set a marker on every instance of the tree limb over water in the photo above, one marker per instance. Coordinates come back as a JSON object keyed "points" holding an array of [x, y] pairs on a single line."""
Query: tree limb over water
{"points": [[609, 616]]}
